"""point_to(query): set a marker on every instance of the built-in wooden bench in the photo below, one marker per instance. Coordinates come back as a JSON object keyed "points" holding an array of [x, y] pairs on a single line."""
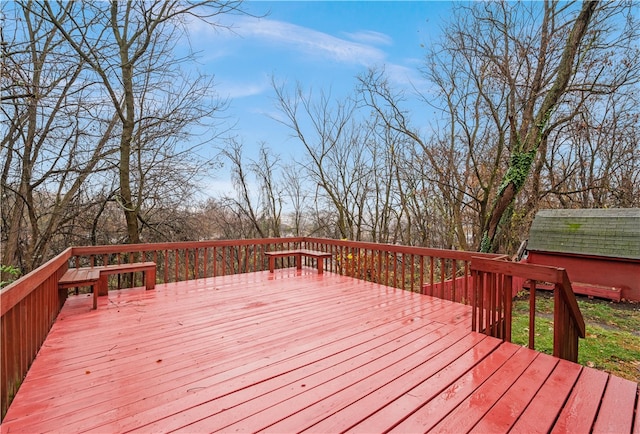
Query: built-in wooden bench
{"points": [[97, 277], [78, 277], [299, 253], [612, 293]]}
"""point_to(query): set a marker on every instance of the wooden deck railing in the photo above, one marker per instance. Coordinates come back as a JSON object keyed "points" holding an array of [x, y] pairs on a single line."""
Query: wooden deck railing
{"points": [[436, 272], [182, 261], [492, 283], [31, 304], [29, 308]]}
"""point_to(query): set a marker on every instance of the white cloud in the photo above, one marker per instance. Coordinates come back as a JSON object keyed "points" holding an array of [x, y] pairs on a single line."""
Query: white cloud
{"points": [[370, 37], [310, 42], [235, 90], [403, 75]]}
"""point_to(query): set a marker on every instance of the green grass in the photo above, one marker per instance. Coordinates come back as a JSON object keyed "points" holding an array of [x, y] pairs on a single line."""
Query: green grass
{"points": [[612, 342]]}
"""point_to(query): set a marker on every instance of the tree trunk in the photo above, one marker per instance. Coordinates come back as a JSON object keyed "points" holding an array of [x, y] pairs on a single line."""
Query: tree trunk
{"points": [[128, 124], [524, 153]]}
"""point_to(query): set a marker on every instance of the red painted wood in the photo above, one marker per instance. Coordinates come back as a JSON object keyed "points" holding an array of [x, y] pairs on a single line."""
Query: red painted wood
{"points": [[503, 414], [137, 325], [256, 412], [579, 413], [636, 426], [481, 400], [328, 404], [431, 409], [308, 365], [298, 254], [373, 410], [285, 352], [616, 410], [542, 411]]}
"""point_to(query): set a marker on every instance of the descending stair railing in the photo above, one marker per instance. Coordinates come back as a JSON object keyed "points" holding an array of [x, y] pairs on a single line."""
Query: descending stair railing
{"points": [[493, 295]]}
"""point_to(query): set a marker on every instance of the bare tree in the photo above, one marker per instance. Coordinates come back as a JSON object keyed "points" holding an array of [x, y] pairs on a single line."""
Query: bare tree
{"points": [[259, 196], [338, 163], [593, 161], [128, 45], [296, 196], [56, 138], [271, 195]]}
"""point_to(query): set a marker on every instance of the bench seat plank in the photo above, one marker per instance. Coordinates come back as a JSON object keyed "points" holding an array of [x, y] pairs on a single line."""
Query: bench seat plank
{"points": [[149, 269], [75, 277], [78, 276]]}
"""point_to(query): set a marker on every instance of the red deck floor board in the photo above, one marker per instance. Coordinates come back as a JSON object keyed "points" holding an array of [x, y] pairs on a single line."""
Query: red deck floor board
{"points": [[307, 367], [617, 404], [406, 372], [267, 391], [579, 413], [375, 403], [315, 404], [294, 351], [502, 415], [386, 417], [541, 413]]}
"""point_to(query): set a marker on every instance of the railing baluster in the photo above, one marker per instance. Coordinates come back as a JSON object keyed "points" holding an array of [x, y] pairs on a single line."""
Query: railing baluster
{"points": [[466, 283], [224, 261], [480, 301], [176, 261], [532, 316], [187, 254], [421, 266]]}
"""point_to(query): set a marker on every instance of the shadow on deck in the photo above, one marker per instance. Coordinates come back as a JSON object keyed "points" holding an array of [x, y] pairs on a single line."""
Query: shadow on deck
{"points": [[296, 351]]}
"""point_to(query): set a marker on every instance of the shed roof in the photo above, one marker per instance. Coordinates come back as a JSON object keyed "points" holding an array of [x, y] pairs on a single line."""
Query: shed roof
{"points": [[595, 232]]}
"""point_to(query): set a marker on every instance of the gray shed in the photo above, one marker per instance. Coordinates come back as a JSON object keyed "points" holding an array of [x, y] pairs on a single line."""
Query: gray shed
{"points": [[613, 233]]}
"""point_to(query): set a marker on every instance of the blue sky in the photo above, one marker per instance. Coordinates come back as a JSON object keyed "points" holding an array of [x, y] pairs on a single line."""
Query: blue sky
{"points": [[321, 45]]}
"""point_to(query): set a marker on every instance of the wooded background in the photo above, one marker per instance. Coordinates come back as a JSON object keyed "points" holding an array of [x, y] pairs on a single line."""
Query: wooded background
{"points": [[537, 102]]}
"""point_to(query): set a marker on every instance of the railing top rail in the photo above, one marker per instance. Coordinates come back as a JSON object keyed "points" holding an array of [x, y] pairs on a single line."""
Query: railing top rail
{"points": [[107, 249], [572, 303], [541, 273], [424, 251]]}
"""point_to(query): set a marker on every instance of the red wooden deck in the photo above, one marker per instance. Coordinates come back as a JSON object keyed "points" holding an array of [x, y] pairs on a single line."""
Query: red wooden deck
{"points": [[297, 351]]}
